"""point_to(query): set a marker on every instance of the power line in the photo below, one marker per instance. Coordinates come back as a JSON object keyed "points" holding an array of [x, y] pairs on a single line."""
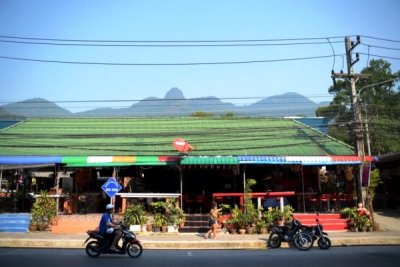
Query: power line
{"points": [[380, 56], [170, 41], [165, 64], [380, 39], [380, 47], [164, 45]]}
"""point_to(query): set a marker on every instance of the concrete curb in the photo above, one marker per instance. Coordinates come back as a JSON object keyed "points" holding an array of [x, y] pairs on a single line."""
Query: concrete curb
{"points": [[206, 244], [191, 241], [147, 244]]}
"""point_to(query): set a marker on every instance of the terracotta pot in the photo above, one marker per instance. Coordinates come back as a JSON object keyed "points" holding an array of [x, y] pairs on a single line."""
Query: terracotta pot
{"points": [[42, 227], [242, 231], [54, 221], [33, 227]]}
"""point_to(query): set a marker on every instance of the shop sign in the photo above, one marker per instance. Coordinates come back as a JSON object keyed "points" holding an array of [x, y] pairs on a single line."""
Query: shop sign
{"points": [[111, 187]]}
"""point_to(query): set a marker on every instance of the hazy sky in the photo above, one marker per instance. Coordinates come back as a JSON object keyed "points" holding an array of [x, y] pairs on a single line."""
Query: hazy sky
{"points": [[56, 69]]}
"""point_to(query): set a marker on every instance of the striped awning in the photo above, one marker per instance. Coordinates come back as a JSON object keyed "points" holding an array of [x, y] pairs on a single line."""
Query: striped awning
{"points": [[303, 160], [96, 161], [209, 161]]}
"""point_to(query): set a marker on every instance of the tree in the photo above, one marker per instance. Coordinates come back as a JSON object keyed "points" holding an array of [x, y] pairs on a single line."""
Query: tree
{"points": [[380, 100]]}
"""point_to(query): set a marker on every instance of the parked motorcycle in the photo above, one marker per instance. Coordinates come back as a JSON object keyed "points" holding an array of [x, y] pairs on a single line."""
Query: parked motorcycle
{"points": [[101, 244], [290, 233], [317, 233]]}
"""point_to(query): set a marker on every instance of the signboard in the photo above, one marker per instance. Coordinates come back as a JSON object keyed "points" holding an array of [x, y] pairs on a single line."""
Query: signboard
{"points": [[111, 187], [181, 145]]}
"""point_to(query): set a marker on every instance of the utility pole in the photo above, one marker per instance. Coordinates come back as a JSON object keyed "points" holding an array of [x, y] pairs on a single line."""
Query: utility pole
{"points": [[352, 78]]}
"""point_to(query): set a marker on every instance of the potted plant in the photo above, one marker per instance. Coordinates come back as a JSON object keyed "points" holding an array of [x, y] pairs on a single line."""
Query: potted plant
{"points": [[352, 217], [149, 223], [33, 225], [239, 220], [135, 216], [362, 223], [174, 214], [261, 226], [160, 222], [43, 211]]}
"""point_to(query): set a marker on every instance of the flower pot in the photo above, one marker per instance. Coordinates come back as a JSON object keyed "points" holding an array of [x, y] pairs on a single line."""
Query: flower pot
{"points": [[172, 228], [33, 227], [54, 221], [249, 230], [135, 227], [42, 227], [263, 230], [242, 231]]}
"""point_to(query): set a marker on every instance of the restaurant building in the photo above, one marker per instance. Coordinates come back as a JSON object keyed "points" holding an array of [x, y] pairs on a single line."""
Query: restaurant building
{"points": [[191, 158]]}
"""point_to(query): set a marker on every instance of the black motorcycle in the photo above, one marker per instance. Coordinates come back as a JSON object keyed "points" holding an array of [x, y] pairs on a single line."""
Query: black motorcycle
{"points": [[291, 233], [317, 233], [102, 244]]}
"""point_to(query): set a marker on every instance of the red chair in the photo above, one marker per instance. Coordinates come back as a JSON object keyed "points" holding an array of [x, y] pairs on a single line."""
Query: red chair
{"points": [[312, 202], [325, 202]]}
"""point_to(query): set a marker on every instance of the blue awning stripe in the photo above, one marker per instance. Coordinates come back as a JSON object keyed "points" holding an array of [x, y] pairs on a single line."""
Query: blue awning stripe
{"points": [[30, 160]]}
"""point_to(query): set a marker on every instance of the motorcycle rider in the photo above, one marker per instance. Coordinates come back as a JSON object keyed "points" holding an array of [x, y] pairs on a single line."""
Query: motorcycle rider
{"points": [[108, 226]]}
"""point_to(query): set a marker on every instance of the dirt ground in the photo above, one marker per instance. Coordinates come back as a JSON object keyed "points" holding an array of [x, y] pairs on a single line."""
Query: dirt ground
{"points": [[388, 220]]}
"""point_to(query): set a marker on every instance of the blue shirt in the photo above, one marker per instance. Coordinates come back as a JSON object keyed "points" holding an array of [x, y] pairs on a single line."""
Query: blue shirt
{"points": [[105, 219]]}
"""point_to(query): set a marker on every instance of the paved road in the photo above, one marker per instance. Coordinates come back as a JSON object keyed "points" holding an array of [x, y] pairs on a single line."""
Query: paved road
{"points": [[382, 256]]}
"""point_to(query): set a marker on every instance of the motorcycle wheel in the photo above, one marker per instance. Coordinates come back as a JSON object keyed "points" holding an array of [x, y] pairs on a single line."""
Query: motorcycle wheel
{"points": [[274, 240], [324, 243], [92, 249], [134, 250], [303, 241]]}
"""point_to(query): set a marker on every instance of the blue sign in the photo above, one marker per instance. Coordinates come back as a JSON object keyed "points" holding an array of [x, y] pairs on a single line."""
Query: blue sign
{"points": [[111, 187]]}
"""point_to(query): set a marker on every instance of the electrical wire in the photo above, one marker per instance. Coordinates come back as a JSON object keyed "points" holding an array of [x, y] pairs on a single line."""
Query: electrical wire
{"points": [[333, 53], [380, 56], [380, 47], [165, 64], [168, 41], [165, 45], [380, 39]]}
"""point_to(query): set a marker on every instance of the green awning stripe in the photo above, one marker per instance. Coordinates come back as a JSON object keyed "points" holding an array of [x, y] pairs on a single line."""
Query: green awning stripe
{"points": [[210, 161], [155, 163], [146, 159], [74, 160]]}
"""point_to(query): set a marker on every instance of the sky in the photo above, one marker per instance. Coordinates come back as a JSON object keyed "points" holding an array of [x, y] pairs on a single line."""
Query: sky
{"points": [[239, 51]]}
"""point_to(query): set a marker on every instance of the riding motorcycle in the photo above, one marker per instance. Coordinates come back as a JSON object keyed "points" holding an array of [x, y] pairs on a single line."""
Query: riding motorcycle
{"points": [[317, 233], [101, 244], [291, 233]]}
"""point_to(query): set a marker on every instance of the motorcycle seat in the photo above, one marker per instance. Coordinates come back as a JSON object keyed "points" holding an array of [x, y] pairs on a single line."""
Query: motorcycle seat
{"points": [[95, 234]]}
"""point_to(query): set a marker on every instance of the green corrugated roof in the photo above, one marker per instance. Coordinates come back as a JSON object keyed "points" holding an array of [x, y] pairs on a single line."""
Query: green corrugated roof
{"points": [[154, 136]]}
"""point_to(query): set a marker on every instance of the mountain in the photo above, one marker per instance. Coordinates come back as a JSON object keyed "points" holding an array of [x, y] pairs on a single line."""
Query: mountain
{"points": [[36, 107], [174, 103], [4, 115], [288, 104]]}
